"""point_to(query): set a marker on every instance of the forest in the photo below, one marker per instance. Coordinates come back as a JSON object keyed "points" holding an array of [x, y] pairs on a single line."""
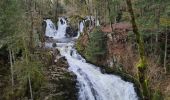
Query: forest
{"points": [[85, 50]]}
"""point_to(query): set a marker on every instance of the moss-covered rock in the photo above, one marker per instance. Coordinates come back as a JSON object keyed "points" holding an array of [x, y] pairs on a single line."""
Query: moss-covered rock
{"points": [[74, 19]]}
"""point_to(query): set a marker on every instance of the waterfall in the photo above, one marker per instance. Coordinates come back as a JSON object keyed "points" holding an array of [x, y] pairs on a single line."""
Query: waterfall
{"points": [[62, 25], [92, 83], [51, 29], [81, 26]]}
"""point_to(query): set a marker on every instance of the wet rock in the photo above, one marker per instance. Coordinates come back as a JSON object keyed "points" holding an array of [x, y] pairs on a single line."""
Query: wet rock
{"points": [[61, 83], [61, 21], [71, 32], [54, 45], [75, 33]]}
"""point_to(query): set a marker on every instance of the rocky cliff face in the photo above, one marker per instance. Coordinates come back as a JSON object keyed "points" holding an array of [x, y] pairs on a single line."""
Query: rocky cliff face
{"points": [[119, 50], [122, 55]]}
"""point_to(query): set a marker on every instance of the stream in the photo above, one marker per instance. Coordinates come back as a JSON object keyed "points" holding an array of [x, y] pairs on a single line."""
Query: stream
{"points": [[92, 83]]}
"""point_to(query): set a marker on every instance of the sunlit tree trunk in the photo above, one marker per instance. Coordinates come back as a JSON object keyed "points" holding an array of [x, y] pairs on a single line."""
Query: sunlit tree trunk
{"points": [[30, 86], [13, 57]]}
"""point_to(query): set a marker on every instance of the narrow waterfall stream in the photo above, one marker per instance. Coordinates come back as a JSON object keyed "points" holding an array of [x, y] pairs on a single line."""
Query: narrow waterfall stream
{"points": [[92, 83]]}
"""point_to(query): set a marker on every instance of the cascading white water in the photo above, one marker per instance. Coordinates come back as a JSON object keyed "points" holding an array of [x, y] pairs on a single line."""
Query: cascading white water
{"points": [[51, 29], [81, 26], [92, 84], [62, 25]]}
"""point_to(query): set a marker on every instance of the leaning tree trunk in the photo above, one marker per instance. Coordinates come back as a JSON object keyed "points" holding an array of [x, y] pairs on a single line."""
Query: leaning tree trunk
{"points": [[142, 63]]}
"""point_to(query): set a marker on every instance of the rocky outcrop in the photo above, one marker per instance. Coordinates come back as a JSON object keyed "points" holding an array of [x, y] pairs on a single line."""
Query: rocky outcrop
{"points": [[71, 32], [61, 83], [119, 51]]}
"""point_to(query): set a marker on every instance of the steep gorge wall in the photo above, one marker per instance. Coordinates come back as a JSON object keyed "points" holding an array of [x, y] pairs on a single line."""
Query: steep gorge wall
{"points": [[122, 55], [119, 51]]}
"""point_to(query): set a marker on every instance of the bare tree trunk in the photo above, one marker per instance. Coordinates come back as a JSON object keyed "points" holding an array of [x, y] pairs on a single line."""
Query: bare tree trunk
{"points": [[165, 53], [56, 11], [32, 27], [31, 94], [108, 7], [157, 21], [142, 63], [13, 57], [96, 16], [151, 42], [157, 14], [12, 71], [27, 62]]}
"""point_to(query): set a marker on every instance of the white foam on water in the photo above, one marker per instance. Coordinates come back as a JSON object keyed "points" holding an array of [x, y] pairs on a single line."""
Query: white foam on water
{"points": [[92, 83]]}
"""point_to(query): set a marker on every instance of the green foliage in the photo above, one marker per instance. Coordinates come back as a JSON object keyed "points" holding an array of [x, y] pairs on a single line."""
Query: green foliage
{"points": [[15, 26], [157, 96], [96, 46], [10, 12], [74, 19], [67, 2], [113, 10], [24, 69], [150, 14], [79, 47], [165, 22]]}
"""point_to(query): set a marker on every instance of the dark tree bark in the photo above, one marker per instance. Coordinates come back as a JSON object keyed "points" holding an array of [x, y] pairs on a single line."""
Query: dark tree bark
{"points": [[142, 63], [108, 7], [165, 53], [31, 47], [12, 70]]}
